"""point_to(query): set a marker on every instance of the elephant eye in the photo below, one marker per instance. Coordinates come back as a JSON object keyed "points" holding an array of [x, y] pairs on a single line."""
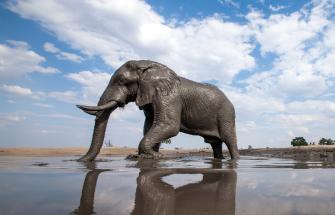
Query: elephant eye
{"points": [[122, 79]]}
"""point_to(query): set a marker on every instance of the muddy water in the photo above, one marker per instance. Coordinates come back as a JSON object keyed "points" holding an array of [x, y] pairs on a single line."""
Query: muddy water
{"points": [[193, 185]]}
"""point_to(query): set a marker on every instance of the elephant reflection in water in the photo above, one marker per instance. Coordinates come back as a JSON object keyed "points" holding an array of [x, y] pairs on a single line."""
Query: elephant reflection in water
{"points": [[214, 194], [86, 206]]}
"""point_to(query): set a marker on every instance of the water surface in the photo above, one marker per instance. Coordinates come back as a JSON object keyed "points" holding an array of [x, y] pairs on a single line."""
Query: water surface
{"points": [[193, 185]]}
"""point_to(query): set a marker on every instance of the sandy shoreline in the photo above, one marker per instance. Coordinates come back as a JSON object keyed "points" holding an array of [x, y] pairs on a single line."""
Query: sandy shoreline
{"points": [[304, 153], [70, 151]]}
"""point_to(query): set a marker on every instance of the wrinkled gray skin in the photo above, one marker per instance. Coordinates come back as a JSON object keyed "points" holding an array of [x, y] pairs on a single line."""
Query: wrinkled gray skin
{"points": [[170, 103]]}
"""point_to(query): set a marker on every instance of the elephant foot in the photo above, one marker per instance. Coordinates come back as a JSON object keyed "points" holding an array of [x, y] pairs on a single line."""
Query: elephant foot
{"points": [[154, 155], [219, 158], [86, 158]]}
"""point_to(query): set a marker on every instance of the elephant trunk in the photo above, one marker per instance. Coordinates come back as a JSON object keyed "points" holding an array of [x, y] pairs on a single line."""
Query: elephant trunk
{"points": [[98, 134]]}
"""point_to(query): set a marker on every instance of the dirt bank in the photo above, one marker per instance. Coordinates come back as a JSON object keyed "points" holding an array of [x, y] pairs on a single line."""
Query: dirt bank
{"points": [[82, 150], [322, 153]]}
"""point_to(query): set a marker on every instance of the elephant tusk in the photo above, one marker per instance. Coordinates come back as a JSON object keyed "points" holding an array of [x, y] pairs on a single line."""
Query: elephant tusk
{"points": [[91, 109], [91, 112]]}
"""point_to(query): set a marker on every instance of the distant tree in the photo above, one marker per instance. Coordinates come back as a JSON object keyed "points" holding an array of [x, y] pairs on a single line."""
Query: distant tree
{"points": [[324, 141], [249, 147], [299, 141]]}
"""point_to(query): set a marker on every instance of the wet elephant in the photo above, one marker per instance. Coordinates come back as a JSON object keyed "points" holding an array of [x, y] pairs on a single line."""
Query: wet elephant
{"points": [[171, 104]]}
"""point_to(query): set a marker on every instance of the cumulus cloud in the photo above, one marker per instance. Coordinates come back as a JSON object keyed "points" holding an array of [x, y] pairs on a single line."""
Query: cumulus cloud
{"points": [[211, 48], [17, 90], [93, 83], [17, 59], [293, 96], [277, 8], [65, 96], [49, 47], [229, 3], [298, 40]]}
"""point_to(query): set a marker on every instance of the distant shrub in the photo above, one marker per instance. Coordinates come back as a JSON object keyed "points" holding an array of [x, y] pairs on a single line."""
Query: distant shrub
{"points": [[167, 141], [324, 141], [299, 141]]}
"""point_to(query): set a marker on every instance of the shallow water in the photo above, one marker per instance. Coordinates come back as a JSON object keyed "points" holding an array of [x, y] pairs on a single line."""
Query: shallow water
{"points": [[193, 185]]}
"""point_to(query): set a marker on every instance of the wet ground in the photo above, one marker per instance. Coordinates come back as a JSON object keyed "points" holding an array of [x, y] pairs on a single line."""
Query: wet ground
{"points": [[192, 185]]}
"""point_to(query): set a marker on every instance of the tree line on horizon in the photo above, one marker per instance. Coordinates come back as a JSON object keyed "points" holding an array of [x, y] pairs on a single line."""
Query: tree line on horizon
{"points": [[300, 141]]}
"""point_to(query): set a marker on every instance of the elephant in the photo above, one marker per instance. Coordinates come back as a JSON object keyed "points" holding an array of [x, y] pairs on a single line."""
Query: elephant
{"points": [[171, 104]]}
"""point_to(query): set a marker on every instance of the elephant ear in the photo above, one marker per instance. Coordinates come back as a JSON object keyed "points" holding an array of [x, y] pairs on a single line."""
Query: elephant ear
{"points": [[155, 80]]}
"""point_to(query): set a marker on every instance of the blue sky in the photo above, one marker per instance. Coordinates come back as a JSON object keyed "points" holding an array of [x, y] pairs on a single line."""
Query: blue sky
{"points": [[274, 59]]}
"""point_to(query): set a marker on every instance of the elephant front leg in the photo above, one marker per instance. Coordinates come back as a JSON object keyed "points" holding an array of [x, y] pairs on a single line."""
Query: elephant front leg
{"points": [[147, 125], [149, 145]]}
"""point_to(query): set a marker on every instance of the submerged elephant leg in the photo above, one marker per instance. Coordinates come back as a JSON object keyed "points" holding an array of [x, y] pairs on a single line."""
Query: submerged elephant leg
{"points": [[147, 125], [217, 150], [154, 137], [156, 147], [229, 136]]}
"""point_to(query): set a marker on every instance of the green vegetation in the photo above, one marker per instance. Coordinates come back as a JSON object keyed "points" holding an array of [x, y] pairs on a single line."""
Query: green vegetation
{"points": [[167, 141], [299, 141], [324, 141]]}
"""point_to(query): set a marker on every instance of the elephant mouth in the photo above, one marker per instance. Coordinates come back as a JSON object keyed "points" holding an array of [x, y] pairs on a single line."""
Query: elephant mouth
{"points": [[99, 109]]}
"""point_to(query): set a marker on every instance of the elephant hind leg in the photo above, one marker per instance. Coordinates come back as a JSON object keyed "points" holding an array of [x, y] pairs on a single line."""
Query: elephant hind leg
{"points": [[228, 134], [216, 145], [217, 150]]}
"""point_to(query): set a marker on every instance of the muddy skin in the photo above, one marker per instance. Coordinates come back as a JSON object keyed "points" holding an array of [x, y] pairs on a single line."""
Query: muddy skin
{"points": [[171, 104]]}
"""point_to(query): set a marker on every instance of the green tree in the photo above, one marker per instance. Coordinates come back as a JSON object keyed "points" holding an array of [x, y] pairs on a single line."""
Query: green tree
{"points": [[324, 141], [299, 141]]}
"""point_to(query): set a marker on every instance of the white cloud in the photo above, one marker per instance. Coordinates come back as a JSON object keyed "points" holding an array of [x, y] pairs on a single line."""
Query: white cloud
{"points": [[65, 96], [286, 99], [277, 8], [202, 49], [93, 83], [43, 105], [302, 52], [49, 47], [17, 59], [17, 90], [229, 3], [10, 118], [14, 118]]}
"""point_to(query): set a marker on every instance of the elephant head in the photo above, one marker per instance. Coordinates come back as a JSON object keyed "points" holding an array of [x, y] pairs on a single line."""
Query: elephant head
{"points": [[135, 81]]}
